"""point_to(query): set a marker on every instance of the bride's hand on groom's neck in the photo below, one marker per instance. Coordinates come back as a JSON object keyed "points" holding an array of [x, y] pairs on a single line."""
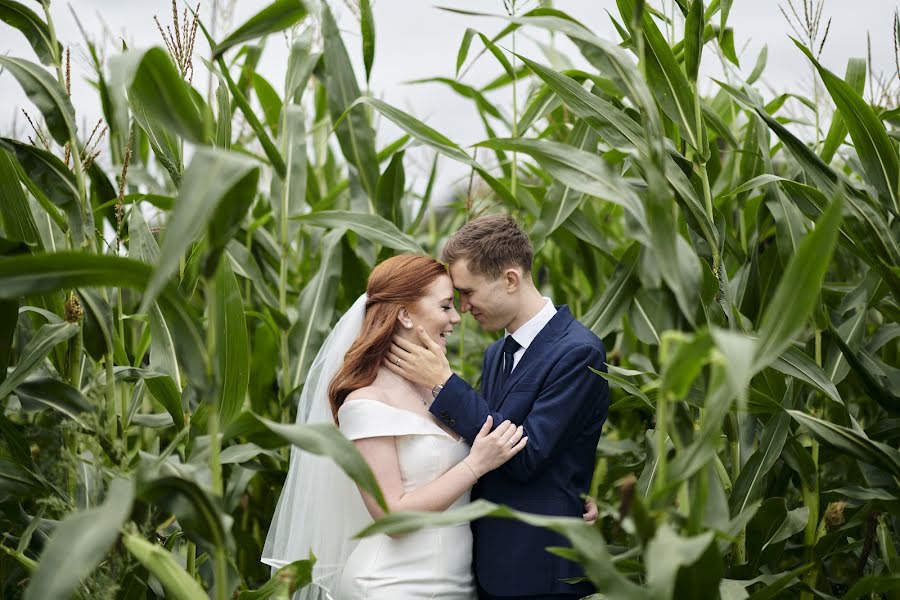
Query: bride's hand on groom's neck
{"points": [[424, 363]]}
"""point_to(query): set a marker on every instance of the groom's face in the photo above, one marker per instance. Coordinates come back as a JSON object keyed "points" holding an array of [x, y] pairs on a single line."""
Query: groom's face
{"points": [[485, 298]]}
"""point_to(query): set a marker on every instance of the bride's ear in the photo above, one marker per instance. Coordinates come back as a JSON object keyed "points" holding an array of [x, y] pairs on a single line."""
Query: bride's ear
{"points": [[404, 318]]}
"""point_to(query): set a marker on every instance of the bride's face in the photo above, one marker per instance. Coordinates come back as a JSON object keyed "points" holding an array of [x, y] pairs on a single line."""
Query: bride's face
{"points": [[435, 311]]}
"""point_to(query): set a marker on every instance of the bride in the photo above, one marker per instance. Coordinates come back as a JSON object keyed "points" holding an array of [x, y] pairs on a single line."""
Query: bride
{"points": [[419, 463]]}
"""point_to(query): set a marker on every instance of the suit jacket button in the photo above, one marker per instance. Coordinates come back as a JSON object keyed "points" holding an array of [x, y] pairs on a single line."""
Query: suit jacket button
{"points": [[444, 414], [451, 422]]}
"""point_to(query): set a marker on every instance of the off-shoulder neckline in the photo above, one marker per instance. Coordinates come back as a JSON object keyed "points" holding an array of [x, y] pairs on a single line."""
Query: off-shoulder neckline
{"points": [[403, 410]]}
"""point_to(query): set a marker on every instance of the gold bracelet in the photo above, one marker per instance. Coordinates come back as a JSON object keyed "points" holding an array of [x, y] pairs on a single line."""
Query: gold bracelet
{"points": [[471, 469]]}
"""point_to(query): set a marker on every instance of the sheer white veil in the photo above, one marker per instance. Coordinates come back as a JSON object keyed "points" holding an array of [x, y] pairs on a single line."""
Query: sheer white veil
{"points": [[320, 507]]}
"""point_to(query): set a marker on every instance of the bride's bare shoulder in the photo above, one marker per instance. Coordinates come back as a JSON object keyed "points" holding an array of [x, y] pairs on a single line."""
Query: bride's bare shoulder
{"points": [[370, 392]]}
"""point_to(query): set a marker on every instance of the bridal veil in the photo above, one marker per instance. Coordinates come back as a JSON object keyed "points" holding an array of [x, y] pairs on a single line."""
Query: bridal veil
{"points": [[320, 508]]}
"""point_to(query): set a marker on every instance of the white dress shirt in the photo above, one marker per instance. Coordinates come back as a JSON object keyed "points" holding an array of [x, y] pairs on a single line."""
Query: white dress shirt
{"points": [[525, 334]]}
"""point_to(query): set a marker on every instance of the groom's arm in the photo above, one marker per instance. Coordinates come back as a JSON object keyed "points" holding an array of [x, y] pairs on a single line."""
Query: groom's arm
{"points": [[460, 406], [568, 396], [570, 388]]}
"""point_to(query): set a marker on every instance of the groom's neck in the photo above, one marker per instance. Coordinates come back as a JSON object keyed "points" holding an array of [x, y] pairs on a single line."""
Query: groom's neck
{"points": [[531, 304]]}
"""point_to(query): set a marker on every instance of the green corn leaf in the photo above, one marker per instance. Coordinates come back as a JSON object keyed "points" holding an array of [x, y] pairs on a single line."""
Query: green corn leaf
{"points": [[498, 54], [47, 95], [217, 188], [14, 209], [33, 28], [561, 199], [31, 275], [619, 130], [79, 543], [278, 16], [876, 151], [284, 582], [852, 442], [166, 392], [244, 265], [164, 566], [354, 133], [682, 567], [868, 379], [324, 439], [726, 43], [463, 51], [870, 585], [371, 227], [152, 80], [288, 195], [436, 140], [606, 313], [856, 77], [56, 395], [223, 118], [162, 388], [47, 176], [18, 480], [163, 358], [760, 65], [799, 288], [583, 171], [693, 40], [9, 317], [302, 62], [667, 81], [390, 189], [199, 513], [367, 26], [316, 307], [797, 364], [233, 345], [36, 350], [748, 487], [818, 171], [269, 100]]}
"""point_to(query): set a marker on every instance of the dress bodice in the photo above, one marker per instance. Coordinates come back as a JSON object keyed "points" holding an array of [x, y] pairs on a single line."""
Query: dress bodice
{"points": [[434, 562], [424, 450]]}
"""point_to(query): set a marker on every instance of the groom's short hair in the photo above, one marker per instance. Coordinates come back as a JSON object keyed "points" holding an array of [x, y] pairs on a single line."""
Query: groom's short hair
{"points": [[490, 244]]}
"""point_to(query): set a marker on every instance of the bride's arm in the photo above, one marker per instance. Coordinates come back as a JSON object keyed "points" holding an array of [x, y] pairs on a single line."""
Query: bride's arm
{"points": [[490, 450]]}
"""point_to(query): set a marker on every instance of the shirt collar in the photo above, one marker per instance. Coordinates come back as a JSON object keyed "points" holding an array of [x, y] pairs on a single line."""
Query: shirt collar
{"points": [[525, 334]]}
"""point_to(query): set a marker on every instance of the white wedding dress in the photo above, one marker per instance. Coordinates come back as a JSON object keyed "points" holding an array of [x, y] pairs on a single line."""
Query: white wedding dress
{"points": [[431, 563]]}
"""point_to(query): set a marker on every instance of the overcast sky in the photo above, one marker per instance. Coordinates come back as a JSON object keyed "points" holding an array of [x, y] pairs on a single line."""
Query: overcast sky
{"points": [[416, 39]]}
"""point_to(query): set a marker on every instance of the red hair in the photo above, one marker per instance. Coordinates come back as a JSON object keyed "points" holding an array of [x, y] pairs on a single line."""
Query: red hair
{"points": [[394, 283]]}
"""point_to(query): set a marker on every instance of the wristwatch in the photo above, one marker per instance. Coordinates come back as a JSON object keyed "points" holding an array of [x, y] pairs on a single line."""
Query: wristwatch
{"points": [[436, 390]]}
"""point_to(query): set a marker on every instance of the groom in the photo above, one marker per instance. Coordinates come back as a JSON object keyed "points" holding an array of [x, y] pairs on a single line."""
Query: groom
{"points": [[536, 376]]}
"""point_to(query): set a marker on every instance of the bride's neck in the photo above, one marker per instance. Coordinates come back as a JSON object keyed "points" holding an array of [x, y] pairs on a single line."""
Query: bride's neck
{"points": [[389, 377]]}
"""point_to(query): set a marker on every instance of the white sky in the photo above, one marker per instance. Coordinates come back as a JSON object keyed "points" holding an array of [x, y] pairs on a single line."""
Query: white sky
{"points": [[415, 39]]}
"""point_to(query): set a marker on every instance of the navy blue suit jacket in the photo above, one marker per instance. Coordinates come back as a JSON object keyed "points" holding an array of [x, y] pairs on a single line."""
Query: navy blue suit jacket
{"points": [[562, 405]]}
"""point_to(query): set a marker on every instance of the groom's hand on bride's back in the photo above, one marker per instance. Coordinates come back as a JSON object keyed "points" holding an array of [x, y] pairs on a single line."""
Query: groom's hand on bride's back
{"points": [[424, 363], [591, 512]]}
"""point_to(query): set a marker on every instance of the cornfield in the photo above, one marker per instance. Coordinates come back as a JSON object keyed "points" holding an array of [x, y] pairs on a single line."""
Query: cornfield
{"points": [[167, 279]]}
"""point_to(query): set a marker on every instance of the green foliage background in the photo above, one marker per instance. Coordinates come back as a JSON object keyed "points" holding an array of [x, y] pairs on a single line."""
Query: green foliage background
{"points": [[746, 282]]}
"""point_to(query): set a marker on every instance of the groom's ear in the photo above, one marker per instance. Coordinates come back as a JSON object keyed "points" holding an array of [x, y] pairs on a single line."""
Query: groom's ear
{"points": [[405, 319], [512, 279]]}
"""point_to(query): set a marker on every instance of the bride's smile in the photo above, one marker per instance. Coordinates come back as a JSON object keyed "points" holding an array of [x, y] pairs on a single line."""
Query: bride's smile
{"points": [[435, 312]]}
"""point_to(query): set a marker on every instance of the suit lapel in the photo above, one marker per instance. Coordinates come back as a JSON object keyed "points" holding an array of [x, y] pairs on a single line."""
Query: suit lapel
{"points": [[535, 352]]}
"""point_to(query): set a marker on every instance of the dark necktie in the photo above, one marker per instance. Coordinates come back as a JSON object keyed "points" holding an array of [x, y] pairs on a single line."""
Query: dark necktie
{"points": [[510, 346]]}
